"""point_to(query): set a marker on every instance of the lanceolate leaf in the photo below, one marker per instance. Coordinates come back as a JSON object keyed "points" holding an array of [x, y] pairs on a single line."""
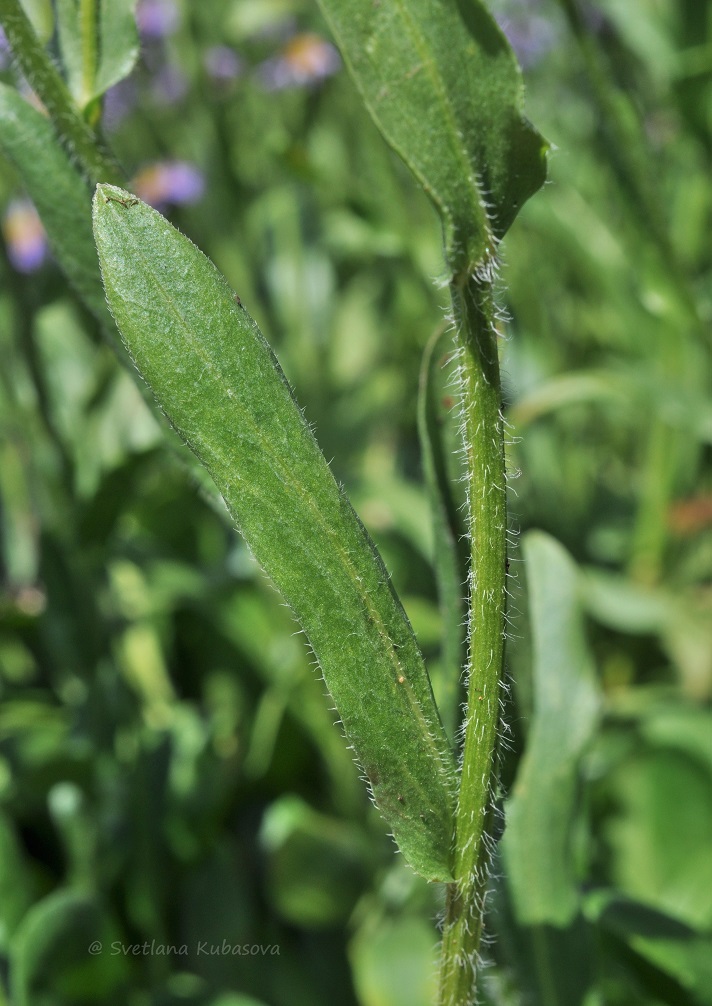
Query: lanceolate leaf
{"points": [[444, 88], [221, 387], [58, 191]]}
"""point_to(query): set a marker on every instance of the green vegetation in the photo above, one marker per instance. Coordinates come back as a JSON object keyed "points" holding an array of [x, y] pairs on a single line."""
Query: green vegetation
{"points": [[181, 821]]}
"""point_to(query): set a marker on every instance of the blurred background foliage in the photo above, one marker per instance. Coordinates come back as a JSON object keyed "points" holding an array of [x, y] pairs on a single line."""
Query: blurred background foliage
{"points": [[169, 766]]}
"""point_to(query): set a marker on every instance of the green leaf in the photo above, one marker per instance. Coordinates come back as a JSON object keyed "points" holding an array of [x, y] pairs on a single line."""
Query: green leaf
{"points": [[219, 384], [444, 88], [96, 57], [536, 841], [548, 965], [392, 962], [41, 17], [438, 426], [62, 199], [70, 43], [670, 946], [316, 866], [78, 138], [118, 43], [651, 855], [17, 884], [50, 960]]}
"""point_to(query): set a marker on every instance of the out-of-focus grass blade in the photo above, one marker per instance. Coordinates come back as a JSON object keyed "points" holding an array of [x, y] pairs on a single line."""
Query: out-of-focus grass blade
{"points": [[222, 389], [550, 965], [536, 841], [444, 88], [440, 444], [93, 66], [648, 938], [568, 389], [62, 199], [17, 885]]}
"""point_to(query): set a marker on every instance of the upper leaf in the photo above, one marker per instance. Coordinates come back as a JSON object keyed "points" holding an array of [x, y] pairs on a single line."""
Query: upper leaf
{"points": [[219, 384], [97, 55], [118, 43], [443, 85]]}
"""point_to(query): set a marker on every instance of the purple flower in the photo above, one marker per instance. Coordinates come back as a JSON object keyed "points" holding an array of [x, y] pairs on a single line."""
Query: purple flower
{"points": [[167, 183], [119, 100], [305, 59], [531, 34], [222, 64], [169, 85], [24, 235], [157, 18]]}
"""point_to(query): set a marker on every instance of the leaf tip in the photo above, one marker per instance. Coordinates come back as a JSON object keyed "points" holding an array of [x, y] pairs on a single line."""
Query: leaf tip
{"points": [[106, 194]]}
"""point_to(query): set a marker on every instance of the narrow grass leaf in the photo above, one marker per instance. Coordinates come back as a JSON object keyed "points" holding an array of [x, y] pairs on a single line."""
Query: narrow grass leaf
{"points": [[536, 841], [444, 87], [61, 197], [220, 386]]}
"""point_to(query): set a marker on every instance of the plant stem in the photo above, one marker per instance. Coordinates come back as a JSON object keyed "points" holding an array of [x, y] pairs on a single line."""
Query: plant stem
{"points": [[74, 132], [484, 450]]}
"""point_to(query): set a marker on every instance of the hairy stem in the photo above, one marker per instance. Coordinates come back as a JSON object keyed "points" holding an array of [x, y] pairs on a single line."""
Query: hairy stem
{"points": [[484, 446], [74, 132]]}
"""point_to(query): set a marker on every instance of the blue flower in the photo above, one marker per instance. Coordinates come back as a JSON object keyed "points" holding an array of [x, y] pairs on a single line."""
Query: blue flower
{"points": [[305, 59], [530, 32], [24, 236], [170, 183], [157, 18], [222, 64]]}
